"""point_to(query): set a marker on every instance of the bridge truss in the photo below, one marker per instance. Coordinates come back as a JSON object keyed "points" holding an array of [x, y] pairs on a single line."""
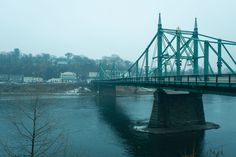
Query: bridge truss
{"points": [[176, 52]]}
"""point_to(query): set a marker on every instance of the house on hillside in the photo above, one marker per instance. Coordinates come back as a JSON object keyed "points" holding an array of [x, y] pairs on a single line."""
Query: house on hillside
{"points": [[62, 63]]}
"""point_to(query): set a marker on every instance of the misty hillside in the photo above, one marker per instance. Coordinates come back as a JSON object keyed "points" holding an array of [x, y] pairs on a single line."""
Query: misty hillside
{"points": [[48, 66]]}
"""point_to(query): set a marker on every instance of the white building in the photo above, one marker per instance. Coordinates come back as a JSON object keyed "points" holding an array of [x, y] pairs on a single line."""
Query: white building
{"points": [[92, 76], [4, 77], [68, 77], [54, 80], [62, 63], [33, 79]]}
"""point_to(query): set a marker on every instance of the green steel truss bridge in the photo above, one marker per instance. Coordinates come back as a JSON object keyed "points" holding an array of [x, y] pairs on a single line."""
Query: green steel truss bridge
{"points": [[180, 60]]}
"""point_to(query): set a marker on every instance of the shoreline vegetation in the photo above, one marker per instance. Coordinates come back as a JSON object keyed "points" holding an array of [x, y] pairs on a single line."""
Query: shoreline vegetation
{"points": [[47, 66], [37, 88], [63, 89]]}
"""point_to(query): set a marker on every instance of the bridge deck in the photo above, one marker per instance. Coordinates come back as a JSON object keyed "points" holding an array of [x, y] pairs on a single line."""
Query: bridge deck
{"points": [[216, 84]]}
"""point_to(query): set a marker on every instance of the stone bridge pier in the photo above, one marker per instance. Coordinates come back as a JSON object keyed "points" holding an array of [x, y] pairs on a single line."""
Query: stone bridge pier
{"points": [[177, 112], [107, 90]]}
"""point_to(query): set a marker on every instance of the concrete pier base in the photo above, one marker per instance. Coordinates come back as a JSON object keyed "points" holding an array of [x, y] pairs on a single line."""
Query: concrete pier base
{"points": [[107, 90], [177, 112]]}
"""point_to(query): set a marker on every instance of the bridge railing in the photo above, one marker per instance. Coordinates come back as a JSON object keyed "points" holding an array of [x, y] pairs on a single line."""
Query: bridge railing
{"points": [[223, 80]]}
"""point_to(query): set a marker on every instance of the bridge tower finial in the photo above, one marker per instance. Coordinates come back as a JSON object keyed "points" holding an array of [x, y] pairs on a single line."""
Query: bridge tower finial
{"points": [[195, 25], [159, 21]]}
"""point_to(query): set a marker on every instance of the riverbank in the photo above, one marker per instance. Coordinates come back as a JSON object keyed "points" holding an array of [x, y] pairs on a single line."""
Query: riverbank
{"points": [[19, 89], [64, 89]]}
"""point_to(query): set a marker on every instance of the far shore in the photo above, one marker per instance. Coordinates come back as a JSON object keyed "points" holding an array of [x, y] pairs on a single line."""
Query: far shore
{"points": [[65, 89]]}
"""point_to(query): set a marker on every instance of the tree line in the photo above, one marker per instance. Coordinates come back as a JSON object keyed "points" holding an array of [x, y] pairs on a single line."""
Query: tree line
{"points": [[49, 66]]}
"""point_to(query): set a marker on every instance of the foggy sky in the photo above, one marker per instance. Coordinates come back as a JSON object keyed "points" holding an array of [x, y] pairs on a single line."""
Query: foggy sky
{"points": [[96, 28]]}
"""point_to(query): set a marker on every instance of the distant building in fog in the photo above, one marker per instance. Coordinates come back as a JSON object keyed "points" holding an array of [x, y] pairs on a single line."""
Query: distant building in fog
{"points": [[33, 79], [16, 78], [68, 77], [92, 76], [4, 78], [54, 80], [62, 63]]}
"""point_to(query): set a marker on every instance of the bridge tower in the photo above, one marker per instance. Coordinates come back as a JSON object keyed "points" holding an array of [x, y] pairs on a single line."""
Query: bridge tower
{"points": [[195, 49], [219, 62], [206, 58], [159, 47], [178, 54]]}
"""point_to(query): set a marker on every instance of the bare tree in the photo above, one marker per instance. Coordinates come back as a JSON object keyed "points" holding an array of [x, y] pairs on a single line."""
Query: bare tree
{"points": [[37, 134]]}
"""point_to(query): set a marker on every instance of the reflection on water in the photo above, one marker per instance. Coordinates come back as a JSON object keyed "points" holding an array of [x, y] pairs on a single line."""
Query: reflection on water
{"points": [[144, 144], [105, 127]]}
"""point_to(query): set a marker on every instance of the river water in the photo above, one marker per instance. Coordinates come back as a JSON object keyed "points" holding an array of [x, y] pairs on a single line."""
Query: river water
{"points": [[95, 127]]}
